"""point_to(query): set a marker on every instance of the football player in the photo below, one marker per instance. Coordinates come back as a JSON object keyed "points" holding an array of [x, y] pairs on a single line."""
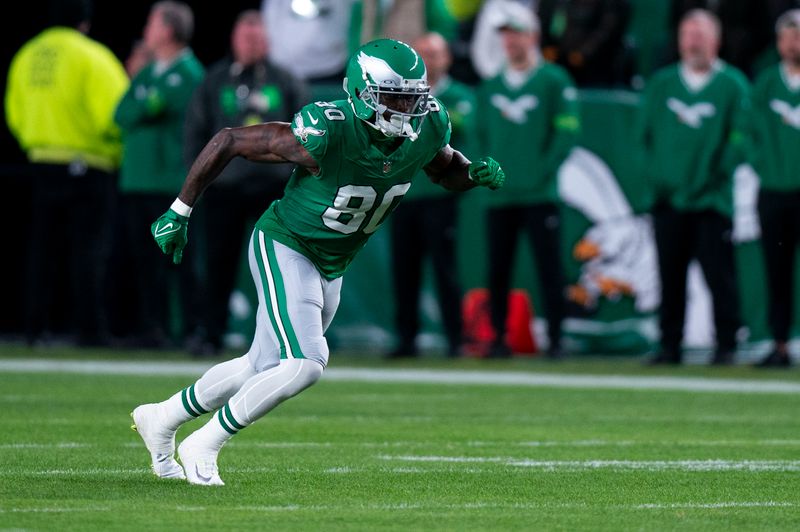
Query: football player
{"points": [[355, 160]]}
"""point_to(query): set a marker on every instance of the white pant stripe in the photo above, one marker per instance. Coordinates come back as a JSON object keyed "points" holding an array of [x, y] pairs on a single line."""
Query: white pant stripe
{"points": [[273, 295]]}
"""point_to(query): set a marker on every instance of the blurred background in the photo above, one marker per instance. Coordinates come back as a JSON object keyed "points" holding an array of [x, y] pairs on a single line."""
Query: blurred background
{"points": [[610, 48]]}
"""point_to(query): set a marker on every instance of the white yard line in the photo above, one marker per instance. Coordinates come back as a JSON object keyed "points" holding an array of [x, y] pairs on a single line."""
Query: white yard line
{"points": [[637, 443], [641, 465], [454, 464], [407, 444], [47, 510], [712, 505], [403, 506], [427, 376], [60, 445], [75, 472]]}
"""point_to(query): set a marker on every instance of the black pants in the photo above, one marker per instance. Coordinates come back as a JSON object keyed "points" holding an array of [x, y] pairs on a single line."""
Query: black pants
{"points": [[779, 213], [542, 224], [230, 212], [15, 206], [426, 227], [71, 219], [704, 235], [154, 270]]}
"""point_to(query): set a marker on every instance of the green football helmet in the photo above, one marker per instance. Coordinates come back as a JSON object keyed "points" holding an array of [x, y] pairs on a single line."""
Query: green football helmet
{"points": [[387, 86]]}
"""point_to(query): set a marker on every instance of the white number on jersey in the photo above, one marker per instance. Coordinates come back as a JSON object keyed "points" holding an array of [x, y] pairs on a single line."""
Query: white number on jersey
{"points": [[351, 204], [330, 114]]}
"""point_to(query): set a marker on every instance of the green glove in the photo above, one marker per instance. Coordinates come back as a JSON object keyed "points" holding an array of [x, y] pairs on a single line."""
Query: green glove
{"points": [[169, 231], [486, 172]]}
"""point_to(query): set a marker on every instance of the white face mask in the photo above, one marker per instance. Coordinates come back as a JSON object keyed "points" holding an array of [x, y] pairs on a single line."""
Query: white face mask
{"points": [[396, 126], [399, 123]]}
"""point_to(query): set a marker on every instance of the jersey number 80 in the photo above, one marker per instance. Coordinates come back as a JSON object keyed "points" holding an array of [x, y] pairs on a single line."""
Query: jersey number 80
{"points": [[353, 202]]}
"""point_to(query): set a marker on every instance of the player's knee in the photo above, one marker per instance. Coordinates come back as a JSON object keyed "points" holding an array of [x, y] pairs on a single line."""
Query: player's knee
{"points": [[311, 372], [267, 390], [300, 374]]}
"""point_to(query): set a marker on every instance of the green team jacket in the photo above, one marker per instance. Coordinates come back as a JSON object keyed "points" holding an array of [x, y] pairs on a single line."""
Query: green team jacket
{"points": [[460, 102], [151, 116], [530, 130], [776, 128], [329, 216], [693, 140]]}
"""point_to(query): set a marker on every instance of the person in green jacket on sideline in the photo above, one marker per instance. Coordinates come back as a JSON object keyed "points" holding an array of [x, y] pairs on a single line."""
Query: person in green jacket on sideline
{"points": [[776, 117], [528, 116], [425, 224], [152, 115], [693, 132]]}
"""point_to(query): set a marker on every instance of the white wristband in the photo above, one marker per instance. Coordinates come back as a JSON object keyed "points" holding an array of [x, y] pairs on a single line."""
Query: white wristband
{"points": [[181, 208]]}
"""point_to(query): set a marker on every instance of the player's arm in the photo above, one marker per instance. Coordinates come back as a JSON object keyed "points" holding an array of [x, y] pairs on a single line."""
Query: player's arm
{"points": [[272, 142], [451, 170]]}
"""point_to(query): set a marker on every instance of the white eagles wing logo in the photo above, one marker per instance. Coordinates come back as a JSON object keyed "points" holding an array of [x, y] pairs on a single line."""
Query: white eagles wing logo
{"points": [[302, 131], [691, 115], [790, 115], [515, 110], [379, 69]]}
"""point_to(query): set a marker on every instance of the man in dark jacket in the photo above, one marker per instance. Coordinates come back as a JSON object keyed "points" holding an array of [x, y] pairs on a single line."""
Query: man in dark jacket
{"points": [[587, 38], [243, 89], [746, 27]]}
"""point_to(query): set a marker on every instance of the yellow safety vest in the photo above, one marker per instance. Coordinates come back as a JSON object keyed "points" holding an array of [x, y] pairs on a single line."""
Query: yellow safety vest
{"points": [[62, 91]]}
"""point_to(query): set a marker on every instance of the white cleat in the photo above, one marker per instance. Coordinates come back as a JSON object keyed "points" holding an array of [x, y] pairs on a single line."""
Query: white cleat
{"points": [[158, 439], [200, 464]]}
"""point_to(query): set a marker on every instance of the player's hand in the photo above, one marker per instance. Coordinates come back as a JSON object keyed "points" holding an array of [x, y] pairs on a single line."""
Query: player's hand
{"points": [[169, 232], [486, 172]]}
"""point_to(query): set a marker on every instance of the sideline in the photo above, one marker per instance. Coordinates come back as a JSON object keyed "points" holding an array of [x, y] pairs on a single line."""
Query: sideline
{"points": [[423, 376]]}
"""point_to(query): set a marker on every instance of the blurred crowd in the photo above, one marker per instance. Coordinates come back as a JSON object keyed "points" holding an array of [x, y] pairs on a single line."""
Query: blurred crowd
{"points": [[109, 141]]}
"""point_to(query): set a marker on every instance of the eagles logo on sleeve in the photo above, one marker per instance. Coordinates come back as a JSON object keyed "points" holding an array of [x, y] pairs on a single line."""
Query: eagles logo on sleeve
{"points": [[302, 132]]}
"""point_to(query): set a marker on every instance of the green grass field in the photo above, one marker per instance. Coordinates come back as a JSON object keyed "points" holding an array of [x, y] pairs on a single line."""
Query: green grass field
{"points": [[356, 455]]}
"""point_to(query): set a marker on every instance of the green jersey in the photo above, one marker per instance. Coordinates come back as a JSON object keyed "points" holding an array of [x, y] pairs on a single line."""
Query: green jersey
{"points": [[694, 138], [329, 216], [152, 115], [776, 117], [460, 102], [529, 126]]}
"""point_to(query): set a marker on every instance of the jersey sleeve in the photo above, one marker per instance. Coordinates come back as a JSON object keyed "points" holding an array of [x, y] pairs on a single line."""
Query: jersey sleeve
{"points": [[566, 117], [462, 120], [440, 120], [565, 122], [739, 148], [647, 115], [311, 127], [760, 124]]}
